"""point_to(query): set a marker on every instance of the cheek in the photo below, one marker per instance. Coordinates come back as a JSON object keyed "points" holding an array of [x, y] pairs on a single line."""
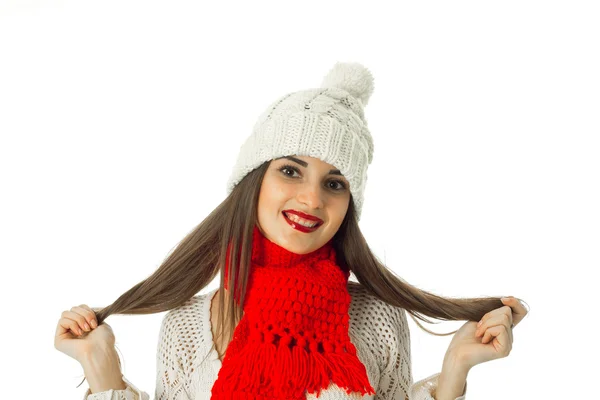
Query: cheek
{"points": [[272, 197], [279, 193], [339, 210]]}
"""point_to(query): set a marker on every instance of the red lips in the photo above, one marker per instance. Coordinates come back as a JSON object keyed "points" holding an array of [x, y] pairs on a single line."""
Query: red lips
{"points": [[303, 215], [300, 227]]}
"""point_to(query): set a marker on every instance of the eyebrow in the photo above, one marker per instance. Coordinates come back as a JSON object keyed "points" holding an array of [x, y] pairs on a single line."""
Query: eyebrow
{"points": [[305, 164]]}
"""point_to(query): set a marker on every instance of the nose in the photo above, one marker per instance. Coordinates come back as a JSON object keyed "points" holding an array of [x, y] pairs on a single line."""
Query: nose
{"points": [[311, 196]]}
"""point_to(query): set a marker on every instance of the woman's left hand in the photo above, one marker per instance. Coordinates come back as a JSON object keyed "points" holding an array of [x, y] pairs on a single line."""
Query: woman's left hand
{"points": [[472, 345]]}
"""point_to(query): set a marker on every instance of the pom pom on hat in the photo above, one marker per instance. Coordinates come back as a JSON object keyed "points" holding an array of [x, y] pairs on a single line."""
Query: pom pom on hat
{"points": [[354, 78]]}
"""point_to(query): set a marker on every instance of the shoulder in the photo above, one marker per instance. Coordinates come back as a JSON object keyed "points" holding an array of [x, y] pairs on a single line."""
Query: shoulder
{"points": [[183, 332], [381, 327], [182, 317], [366, 307]]}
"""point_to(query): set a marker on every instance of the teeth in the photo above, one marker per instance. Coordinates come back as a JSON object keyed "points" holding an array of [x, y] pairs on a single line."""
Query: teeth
{"points": [[301, 221]]}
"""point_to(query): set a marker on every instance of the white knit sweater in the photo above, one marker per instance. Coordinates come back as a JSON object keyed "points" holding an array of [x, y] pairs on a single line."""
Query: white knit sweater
{"points": [[379, 332]]}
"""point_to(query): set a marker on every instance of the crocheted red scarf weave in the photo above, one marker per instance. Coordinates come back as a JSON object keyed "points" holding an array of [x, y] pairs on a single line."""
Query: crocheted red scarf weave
{"points": [[293, 336]]}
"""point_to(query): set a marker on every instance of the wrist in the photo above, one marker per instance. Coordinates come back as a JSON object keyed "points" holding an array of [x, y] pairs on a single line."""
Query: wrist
{"points": [[102, 370], [452, 380], [454, 362], [97, 352]]}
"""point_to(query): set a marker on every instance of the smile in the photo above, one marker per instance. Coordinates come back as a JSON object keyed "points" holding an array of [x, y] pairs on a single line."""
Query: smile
{"points": [[300, 224]]}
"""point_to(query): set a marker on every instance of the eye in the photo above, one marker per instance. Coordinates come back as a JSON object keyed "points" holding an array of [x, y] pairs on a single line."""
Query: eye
{"points": [[287, 167]]}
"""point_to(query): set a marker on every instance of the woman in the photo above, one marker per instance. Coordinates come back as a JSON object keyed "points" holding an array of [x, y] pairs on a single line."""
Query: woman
{"points": [[286, 322]]}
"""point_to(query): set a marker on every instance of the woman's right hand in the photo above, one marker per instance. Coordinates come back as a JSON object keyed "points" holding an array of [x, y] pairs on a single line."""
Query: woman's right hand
{"points": [[78, 334]]}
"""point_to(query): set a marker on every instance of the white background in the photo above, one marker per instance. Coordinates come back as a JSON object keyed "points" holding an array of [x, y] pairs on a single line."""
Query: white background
{"points": [[120, 123]]}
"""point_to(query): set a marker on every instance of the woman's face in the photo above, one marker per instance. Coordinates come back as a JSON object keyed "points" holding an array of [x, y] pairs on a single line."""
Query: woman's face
{"points": [[307, 185]]}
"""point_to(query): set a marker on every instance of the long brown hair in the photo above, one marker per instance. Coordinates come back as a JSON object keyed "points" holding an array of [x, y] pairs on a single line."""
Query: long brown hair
{"points": [[201, 255]]}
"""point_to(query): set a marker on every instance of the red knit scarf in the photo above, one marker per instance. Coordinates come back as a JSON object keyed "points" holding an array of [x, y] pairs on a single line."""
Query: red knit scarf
{"points": [[293, 336]]}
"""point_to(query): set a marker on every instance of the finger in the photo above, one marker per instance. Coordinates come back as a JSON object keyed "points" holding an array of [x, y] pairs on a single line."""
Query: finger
{"points": [[90, 315], [92, 309], [499, 338], [518, 309], [66, 324], [78, 318], [501, 320], [504, 310], [491, 333]]}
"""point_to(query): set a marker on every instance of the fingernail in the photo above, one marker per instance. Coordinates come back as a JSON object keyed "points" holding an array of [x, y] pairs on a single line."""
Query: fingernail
{"points": [[479, 323], [94, 324], [505, 299], [86, 326]]}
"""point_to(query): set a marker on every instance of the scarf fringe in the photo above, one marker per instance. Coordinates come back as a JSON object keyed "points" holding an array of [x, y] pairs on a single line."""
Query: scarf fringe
{"points": [[275, 371]]}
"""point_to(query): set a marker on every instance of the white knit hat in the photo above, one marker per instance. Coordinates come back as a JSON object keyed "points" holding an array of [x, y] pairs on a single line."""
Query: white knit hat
{"points": [[326, 123]]}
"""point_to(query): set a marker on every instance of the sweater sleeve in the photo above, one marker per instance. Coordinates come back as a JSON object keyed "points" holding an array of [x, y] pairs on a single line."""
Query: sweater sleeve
{"points": [[396, 381], [170, 378], [129, 393]]}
